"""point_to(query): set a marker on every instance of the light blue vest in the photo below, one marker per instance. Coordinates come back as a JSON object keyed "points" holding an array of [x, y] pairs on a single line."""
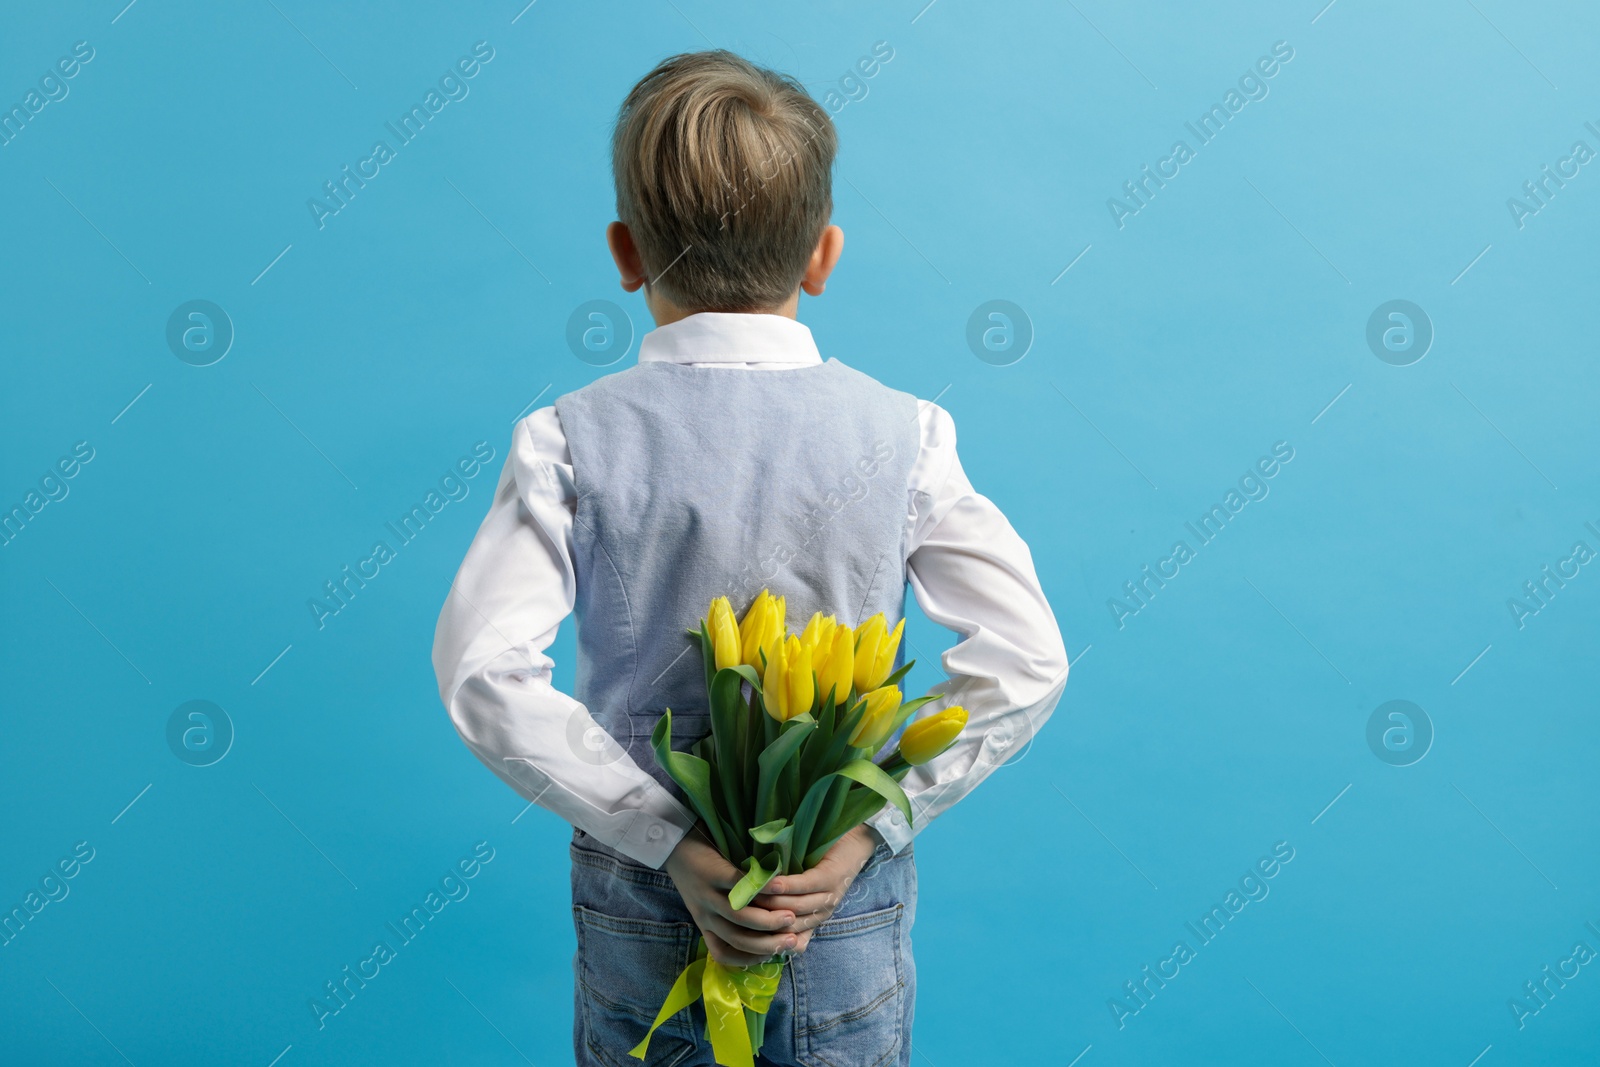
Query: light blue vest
{"points": [[695, 482]]}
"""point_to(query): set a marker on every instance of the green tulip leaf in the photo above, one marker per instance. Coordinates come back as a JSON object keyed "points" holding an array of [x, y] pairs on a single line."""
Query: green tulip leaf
{"points": [[897, 676], [907, 709], [755, 880], [817, 744], [725, 692], [692, 774], [860, 805], [880, 785], [876, 779], [778, 832], [777, 756], [728, 715], [805, 817], [827, 759], [748, 674], [852, 719], [830, 705]]}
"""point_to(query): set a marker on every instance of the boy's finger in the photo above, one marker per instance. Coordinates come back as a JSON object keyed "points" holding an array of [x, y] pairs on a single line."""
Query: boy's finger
{"points": [[804, 924], [753, 918], [711, 865], [742, 940], [720, 873], [800, 904], [724, 880], [816, 880], [723, 954]]}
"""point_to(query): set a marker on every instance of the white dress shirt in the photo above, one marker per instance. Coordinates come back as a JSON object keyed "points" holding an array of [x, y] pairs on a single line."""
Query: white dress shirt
{"points": [[969, 570]]}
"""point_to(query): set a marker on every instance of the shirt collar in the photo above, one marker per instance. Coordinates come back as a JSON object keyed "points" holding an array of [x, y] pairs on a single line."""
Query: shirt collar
{"points": [[728, 337]]}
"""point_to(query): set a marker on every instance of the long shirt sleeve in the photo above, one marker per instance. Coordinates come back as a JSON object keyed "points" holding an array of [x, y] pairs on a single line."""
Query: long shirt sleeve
{"points": [[973, 574], [507, 601]]}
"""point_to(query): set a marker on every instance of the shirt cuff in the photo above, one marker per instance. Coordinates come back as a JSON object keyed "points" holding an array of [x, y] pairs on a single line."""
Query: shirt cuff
{"points": [[654, 832], [646, 833], [891, 826]]}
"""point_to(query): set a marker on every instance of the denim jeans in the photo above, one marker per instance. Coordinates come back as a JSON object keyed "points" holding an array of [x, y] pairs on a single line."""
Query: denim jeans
{"points": [[847, 1001]]}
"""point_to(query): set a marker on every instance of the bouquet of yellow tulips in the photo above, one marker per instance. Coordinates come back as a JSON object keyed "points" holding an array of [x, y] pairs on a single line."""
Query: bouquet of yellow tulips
{"points": [[786, 771]]}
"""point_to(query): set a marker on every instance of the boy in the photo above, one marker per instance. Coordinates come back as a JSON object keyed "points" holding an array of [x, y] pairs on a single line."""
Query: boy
{"points": [[730, 459]]}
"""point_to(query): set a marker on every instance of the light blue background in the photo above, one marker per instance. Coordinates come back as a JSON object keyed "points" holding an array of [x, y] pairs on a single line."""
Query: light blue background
{"points": [[1222, 318]]}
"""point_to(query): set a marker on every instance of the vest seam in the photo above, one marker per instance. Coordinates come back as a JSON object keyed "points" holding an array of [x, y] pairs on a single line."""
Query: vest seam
{"points": [[872, 583], [633, 638]]}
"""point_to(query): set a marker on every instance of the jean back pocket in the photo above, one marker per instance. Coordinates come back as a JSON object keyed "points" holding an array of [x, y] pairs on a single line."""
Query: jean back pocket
{"points": [[850, 991], [624, 969]]}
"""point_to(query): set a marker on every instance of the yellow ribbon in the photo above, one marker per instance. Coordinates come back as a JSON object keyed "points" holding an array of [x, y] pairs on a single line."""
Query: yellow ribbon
{"points": [[727, 992]]}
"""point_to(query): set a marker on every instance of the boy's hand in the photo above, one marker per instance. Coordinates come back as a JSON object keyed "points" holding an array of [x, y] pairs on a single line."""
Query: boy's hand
{"points": [[812, 895], [739, 938]]}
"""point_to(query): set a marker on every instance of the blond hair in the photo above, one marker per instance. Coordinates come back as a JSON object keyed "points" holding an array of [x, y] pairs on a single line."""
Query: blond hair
{"points": [[723, 174]]}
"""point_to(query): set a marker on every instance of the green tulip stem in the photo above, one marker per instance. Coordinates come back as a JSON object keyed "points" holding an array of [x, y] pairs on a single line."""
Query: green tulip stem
{"points": [[895, 764], [831, 807], [758, 736]]}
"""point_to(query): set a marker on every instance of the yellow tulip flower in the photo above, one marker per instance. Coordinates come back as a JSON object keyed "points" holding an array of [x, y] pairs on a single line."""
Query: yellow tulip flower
{"points": [[776, 625], [800, 690], [886, 653], [869, 635], [875, 650], [838, 668], [761, 629], [818, 636], [878, 720], [927, 737], [773, 688], [753, 614], [724, 633]]}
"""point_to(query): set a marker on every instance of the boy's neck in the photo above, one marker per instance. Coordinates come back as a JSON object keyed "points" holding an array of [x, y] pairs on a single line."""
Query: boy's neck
{"points": [[665, 313]]}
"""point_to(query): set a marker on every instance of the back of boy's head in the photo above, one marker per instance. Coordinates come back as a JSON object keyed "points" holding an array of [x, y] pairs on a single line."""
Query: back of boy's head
{"points": [[723, 173]]}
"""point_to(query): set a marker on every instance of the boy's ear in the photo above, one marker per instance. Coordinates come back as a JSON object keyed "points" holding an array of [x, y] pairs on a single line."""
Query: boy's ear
{"points": [[830, 246], [626, 255]]}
